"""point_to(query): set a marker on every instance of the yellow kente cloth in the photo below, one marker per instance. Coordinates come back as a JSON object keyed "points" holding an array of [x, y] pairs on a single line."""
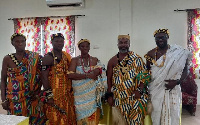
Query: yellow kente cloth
{"points": [[62, 94], [91, 120], [125, 82]]}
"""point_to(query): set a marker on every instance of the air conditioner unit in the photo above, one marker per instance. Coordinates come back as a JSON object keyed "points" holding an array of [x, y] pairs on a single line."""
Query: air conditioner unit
{"points": [[65, 3]]}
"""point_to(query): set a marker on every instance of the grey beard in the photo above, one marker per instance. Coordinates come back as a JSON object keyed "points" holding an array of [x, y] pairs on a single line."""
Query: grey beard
{"points": [[123, 50]]}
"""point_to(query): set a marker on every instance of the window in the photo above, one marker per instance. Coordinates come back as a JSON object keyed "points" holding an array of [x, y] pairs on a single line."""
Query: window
{"points": [[194, 40], [38, 32]]}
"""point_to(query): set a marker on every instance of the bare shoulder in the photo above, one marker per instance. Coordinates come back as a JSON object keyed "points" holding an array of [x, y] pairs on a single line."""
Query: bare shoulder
{"points": [[151, 53], [75, 59], [94, 58], [114, 58], [6, 59], [113, 61], [47, 60], [74, 63]]}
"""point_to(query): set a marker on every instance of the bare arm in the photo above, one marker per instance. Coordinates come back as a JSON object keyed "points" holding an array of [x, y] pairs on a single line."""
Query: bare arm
{"points": [[46, 61], [109, 74], [72, 68], [75, 76], [110, 82], [4, 78], [3, 82]]}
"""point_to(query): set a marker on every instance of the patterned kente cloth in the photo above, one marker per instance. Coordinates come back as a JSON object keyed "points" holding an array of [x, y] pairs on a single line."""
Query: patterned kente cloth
{"points": [[62, 94], [24, 81], [124, 84], [87, 94]]}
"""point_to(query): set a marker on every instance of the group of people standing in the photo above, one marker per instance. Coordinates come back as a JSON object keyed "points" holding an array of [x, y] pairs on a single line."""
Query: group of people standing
{"points": [[74, 89]]}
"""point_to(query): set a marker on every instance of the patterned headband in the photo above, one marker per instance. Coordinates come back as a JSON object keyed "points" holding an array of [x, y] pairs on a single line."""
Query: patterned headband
{"points": [[53, 36], [15, 35], [83, 40], [166, 31]]}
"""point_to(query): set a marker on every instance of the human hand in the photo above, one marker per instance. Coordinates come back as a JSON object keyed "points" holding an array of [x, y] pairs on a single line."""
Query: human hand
{"points": [[137, 94], [96, 71], [6, 105], [171, 84], [92, 75], [34, 96], [141, 85]]}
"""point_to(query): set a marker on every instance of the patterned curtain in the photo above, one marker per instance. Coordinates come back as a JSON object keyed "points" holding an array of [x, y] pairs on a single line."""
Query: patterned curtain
{"points": [[38, 32], [30, 27], [194, 40], [64, 25]]}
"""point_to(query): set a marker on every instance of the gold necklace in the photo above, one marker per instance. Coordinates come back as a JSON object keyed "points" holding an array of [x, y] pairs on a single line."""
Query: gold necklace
{"points": [[162, 64], [164, 57]]}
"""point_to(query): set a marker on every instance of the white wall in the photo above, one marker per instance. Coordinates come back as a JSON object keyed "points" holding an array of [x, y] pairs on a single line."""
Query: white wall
{"points": [[198, 84], [105, 20]]}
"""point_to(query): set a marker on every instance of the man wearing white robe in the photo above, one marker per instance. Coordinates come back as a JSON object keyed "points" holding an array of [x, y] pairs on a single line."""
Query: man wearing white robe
{"points": [[168, 68]]}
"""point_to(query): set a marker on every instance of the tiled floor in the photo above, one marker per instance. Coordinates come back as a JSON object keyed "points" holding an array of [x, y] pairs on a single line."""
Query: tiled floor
{"points": [[187, 119], [2, 111]]}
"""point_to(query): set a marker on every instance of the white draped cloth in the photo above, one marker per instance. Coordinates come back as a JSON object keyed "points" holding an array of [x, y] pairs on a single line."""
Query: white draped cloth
{"points": [[167, 104]]}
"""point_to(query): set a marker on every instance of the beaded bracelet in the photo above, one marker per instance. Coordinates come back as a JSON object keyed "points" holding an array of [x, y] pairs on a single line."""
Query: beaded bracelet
{"points": [[100, 70], [45, 95]]}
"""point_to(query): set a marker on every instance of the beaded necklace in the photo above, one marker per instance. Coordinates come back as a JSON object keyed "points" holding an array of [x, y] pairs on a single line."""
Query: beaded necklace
{"points": [[164, 57], [88, 64], [123, 68]]}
